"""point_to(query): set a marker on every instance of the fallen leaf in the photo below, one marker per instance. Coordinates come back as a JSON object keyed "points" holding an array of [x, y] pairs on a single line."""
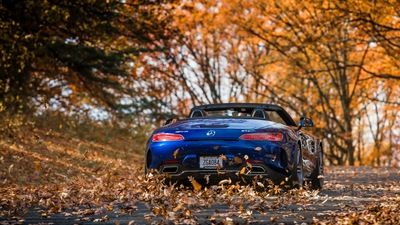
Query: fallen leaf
{"points": [[178, 207], [195, 184], [249, 165], [156, 210], [176, 153], [10, 168], [226, 181], [188, 213], [148, 219], [223, 157], [260, 184], [207, 177], [38, 165], [238, 160]]}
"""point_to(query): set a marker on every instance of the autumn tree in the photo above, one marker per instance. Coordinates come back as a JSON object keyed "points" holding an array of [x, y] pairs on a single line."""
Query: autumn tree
{"points": [[317, 59], [325, 54], [206, 61], [74, 52], [380, 20]]}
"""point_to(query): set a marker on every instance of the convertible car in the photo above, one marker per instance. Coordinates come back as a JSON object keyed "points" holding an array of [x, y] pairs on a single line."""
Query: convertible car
{"points": [[237, 141]]}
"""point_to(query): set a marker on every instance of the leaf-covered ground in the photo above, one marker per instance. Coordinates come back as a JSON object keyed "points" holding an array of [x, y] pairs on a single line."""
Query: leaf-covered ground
{"points": [[349, 197], [46, 178]]}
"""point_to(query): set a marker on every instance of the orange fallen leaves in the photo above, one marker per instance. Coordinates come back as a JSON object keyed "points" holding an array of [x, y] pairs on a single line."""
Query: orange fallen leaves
{"points": [[176, 153], [223, 157], [110, 192], [243, 170], [188, 213], [238, 160], [195, 184], [38, 165]]}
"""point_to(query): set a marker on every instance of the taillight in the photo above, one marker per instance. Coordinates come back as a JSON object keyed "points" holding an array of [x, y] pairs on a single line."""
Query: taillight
{"points": [[167, 137], [171, 161], [262, 136]]}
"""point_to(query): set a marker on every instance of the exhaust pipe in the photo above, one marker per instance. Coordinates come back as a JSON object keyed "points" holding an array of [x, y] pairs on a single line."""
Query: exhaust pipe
{"points": [[257, 170], [169, 169]]}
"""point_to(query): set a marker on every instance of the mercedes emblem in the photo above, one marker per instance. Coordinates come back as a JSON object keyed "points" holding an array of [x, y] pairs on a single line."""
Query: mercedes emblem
{"points": [[211, 133]]}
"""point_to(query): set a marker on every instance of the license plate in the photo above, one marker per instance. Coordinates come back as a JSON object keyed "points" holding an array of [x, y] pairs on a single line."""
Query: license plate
{"points": [[211, 162]]}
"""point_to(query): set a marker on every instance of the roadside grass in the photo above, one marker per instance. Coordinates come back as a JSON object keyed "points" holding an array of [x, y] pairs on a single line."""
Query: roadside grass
{"points": [[52, 148]]}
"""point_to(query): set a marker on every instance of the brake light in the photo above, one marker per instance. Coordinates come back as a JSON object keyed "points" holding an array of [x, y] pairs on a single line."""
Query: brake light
{"points": [[262, 136], [171, 161], [167, 137]]}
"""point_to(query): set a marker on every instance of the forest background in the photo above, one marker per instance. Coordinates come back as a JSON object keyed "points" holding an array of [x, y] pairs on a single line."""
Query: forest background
{"points": [[112, 71]]}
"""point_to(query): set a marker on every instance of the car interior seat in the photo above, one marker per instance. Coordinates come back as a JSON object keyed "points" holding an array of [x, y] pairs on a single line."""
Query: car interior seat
{"points": [[259, 113], [197, 113]]}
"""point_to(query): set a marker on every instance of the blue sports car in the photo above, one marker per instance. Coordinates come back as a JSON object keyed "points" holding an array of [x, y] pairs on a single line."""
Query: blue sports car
{"points": [[239, 141]]}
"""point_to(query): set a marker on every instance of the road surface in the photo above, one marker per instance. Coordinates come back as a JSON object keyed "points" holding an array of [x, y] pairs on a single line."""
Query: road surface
{"points": [[349, 194]]}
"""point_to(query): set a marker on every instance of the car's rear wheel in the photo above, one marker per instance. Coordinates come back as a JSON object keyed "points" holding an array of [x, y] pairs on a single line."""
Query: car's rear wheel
{"points": [[317, 177], [297, 171], [147, 162]]}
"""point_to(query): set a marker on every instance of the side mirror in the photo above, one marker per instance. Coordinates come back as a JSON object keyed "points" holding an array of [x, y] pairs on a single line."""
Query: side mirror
{"points": [[305, 122], [170, 120]]}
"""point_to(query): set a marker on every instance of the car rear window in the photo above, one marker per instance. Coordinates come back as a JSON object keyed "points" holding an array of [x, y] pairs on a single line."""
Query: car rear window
{"points": [[243, 112]]}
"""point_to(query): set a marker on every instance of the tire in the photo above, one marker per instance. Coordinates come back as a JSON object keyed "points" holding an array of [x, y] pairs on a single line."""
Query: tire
{"points": [[317, 177], [147, 162], [297, 171]]}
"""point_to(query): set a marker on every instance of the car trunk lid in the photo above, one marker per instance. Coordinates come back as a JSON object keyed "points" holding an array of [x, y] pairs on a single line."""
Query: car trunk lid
{"points": [[219, 128]]}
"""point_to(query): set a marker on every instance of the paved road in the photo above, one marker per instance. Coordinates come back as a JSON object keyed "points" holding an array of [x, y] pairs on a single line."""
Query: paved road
{"points": [[346, 189]]}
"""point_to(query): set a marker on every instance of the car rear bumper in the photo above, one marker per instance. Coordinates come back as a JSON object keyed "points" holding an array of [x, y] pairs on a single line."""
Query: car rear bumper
{"points": [[176, 173]]}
